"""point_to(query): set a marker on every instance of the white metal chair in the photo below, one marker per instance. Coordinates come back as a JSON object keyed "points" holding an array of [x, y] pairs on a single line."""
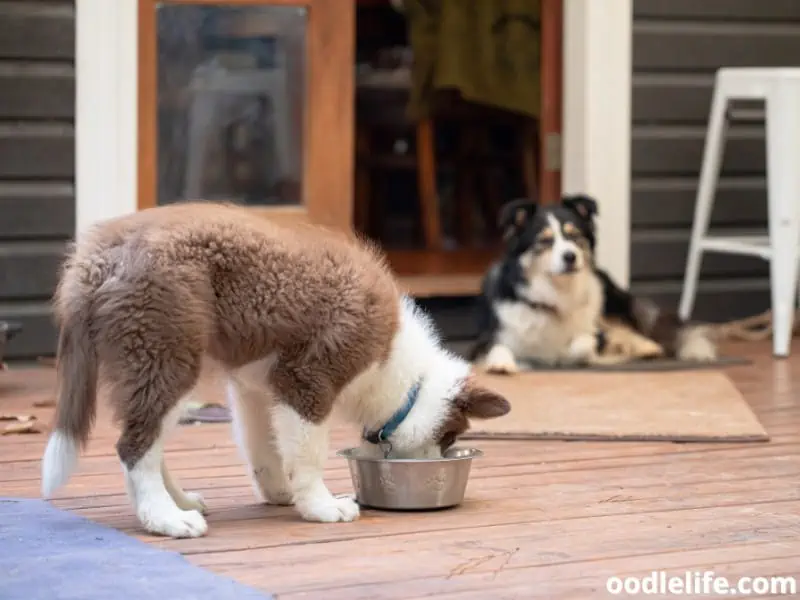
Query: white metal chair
{"points": [[780, 90]]}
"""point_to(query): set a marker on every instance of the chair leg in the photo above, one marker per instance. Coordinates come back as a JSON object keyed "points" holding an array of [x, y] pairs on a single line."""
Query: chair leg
{"points": [[783, 190], [428, 196], [712, 159]]}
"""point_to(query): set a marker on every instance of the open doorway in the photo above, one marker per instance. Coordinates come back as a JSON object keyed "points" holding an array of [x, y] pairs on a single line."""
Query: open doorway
{"points": [[441, 146]]}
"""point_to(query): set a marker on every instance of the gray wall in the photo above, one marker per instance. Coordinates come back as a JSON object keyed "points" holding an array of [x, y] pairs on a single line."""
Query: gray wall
{"points": [[37, 197], [677, 45]]}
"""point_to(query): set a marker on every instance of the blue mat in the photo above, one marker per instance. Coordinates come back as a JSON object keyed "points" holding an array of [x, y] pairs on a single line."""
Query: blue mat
{"points": [[50, 554]]}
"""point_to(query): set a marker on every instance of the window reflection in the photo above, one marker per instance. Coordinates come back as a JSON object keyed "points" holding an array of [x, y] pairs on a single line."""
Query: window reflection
{"points": [[231, 87]]}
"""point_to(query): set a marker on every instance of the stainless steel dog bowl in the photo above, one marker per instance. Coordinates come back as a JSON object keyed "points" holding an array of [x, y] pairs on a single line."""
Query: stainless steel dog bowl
{"points": [[410, 484]]}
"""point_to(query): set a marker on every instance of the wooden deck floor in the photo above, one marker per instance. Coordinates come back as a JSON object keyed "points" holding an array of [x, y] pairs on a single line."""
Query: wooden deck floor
{"points": [[542, 520]]}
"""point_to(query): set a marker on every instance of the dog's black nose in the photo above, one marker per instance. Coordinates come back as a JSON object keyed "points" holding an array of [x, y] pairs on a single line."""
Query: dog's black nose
{"points": [[569, 258]]}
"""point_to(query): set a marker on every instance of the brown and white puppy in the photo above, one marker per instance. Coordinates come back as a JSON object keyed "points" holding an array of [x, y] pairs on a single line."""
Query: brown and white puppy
{"points": [[300, 321], [547, 302]]}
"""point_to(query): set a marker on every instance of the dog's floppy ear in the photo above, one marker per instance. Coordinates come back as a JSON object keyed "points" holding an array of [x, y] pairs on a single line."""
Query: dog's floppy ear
{"points": [[478, 402], [584, 206], [514, 216]]}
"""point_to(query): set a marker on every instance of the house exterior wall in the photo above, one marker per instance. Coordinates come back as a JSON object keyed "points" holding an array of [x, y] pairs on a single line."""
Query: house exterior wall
{"points": [[37, 152], [677, 46]]}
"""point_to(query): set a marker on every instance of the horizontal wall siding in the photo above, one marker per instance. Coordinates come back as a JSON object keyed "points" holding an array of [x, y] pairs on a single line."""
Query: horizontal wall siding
{"points": [[32, 90], [30, 29], [677, 47], [678, 150], [667, 201], [37, 158], [37, 151], [715, 10], [709, 45]]}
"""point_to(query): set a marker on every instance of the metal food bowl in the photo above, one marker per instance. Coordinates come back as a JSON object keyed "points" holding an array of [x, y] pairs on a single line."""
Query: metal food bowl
{"points": [[411, 484]]}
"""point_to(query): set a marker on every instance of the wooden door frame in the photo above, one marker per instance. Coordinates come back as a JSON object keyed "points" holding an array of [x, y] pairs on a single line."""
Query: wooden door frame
{"points": [[597, 120], [328, 123], [551, 108]]}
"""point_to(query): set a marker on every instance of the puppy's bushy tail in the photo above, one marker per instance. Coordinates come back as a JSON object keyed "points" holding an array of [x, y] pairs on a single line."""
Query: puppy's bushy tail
{"points": [[77, 369]]}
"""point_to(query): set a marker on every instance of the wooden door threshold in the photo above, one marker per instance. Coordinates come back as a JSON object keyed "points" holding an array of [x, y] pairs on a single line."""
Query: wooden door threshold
{"points": [[434, 286], [427, 274]]}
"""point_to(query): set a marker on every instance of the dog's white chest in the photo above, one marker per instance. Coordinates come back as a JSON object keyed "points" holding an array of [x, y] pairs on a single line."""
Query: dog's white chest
{"points": [[531, 334]]}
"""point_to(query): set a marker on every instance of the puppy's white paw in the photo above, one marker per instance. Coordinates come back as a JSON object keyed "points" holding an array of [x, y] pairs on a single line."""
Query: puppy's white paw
{"points": [[501, 361], [193, 501], [330, 510], [278, 497], [271, 485], [174, 523]]}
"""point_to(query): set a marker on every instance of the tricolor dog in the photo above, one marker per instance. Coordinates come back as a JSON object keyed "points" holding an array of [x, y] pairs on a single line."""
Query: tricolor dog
{"points": [[300, 321], [546, 301]]}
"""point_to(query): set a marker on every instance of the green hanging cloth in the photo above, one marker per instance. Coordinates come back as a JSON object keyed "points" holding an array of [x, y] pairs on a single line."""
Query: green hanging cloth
{"points": [[487, 50]]}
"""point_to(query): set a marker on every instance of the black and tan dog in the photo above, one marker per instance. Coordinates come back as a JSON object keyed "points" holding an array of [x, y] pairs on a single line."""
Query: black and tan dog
{"points": [[545, 301]]}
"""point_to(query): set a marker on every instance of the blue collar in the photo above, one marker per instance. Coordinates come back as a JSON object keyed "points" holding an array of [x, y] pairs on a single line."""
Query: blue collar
{"points": [[381, 436]]}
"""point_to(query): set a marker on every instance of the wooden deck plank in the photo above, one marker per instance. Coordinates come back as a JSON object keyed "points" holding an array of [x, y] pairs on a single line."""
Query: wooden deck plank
{"points": [[634, 487], [382, 560], [494, 464], [543, 519], [553, 582], [510, 509], [778, 462]]}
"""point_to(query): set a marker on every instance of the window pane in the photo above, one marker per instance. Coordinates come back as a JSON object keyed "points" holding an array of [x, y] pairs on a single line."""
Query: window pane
{"points": [[231, 95]]}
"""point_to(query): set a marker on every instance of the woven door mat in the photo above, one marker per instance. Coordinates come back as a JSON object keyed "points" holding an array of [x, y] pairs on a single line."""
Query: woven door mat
{"points": [[693, 406]]}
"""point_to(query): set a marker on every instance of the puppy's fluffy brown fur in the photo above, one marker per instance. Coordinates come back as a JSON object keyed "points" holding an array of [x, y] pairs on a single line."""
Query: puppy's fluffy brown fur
{"points": [[300, 319], [199, 280]]}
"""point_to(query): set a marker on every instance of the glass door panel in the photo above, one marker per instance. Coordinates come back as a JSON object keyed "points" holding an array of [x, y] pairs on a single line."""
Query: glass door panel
{"points": [[231, 92]]}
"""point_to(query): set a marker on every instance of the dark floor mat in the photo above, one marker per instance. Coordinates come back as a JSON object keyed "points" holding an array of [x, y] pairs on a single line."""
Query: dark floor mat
{"points": [[656, 364], [462, 348], [50, 554]]}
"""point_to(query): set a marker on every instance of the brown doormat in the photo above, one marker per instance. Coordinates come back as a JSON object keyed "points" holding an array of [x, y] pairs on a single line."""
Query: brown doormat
{"points": [[694, 406]]}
